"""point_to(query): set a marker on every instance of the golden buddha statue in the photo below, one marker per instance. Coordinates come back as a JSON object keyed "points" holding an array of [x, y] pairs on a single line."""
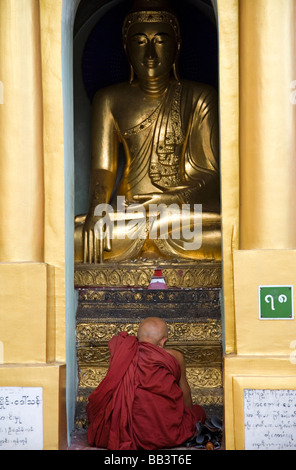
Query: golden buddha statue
{"points": [[169, 131]]}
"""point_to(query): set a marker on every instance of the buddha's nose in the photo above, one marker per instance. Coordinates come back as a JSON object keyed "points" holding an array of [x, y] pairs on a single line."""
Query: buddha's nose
{"points": [[151, 52]]}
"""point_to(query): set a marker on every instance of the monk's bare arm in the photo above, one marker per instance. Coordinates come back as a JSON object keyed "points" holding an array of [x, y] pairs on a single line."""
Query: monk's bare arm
{"points": [[183, 384]]}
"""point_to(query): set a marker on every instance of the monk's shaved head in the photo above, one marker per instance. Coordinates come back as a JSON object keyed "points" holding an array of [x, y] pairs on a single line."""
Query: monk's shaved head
{"points": [[153, 330]]}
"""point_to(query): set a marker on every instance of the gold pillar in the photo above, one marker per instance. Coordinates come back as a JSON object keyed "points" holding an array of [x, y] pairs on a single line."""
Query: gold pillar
{"points": [[32, 261], [267, 124], [21, 133], [53, 144], [228, 28], [267, 238]]}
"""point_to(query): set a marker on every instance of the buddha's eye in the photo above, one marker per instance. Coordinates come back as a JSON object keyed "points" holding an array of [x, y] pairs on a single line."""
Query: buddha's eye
{"points": [[140, 39], [161, 38]]}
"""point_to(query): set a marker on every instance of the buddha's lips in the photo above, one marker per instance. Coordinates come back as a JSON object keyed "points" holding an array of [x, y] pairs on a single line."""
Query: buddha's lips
{"points": [[151, 63]]}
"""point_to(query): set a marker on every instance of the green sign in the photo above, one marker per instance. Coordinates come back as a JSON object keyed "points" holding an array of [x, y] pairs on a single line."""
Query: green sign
{"points": [[276, 302]]}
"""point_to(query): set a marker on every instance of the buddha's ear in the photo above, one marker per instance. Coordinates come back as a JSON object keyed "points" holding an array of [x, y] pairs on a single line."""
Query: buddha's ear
{"points": [[125, 48], [176, 72], [132, 74], [175, 64]]}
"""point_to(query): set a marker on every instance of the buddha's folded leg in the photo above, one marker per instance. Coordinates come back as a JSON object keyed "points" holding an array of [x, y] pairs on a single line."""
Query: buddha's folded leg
{"points": [[195, 236], [127, 239], [186, 235]]}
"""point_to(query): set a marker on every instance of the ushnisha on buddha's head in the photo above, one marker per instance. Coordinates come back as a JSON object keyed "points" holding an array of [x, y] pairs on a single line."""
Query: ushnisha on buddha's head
{"points": [[151, 38]]}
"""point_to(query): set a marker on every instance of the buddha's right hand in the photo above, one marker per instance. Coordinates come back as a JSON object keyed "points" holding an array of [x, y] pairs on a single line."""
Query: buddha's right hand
{"points": [[96, 239]]}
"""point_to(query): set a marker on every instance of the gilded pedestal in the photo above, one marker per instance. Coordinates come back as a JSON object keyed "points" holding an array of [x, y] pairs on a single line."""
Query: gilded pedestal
{"points": [[190, 306]]}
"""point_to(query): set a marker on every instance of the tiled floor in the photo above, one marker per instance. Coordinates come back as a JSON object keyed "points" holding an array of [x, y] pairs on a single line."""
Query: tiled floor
{"points": [[79, 441]]}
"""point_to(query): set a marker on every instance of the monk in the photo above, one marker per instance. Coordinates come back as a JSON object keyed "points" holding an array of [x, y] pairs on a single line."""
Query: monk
{"points": [[144, 402]]}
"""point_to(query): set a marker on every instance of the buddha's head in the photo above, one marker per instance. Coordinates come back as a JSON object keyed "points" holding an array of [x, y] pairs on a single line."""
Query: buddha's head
{"points": [[151, 37]]}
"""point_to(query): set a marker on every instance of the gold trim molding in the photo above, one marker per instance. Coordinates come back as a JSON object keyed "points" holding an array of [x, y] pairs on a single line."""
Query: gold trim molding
{"points": [[198, 378], [195, 355], [95, 333], [138, 274]]}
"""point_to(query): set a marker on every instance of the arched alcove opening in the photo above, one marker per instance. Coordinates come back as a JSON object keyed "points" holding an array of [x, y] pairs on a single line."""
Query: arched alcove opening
{"points": [[226, 19], [99, 61]]}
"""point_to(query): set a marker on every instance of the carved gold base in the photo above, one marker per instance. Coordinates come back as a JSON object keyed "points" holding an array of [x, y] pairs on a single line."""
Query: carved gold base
{"points": [[199, 341], [114, 298], [138, 273], [193, 334], [198, 377]]}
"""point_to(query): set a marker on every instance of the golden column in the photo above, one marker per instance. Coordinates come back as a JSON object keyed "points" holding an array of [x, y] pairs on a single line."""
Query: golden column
{"points": [[267, 247], [29, 302], [268, 123], [21, 133]]}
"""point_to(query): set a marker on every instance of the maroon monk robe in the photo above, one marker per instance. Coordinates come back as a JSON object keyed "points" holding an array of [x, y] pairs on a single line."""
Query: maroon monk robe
{"points": [[139, 404]]}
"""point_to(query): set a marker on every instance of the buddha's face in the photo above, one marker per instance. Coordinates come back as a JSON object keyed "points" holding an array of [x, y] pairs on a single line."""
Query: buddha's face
{"points": [[151, 49]]}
